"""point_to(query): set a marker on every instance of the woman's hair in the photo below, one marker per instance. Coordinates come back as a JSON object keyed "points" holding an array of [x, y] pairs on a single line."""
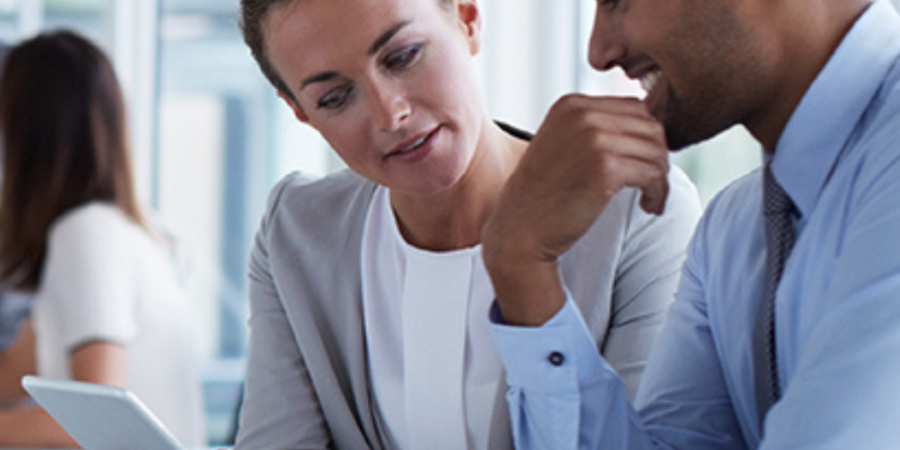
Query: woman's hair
{"points": [[62, 119], [253, 14]]}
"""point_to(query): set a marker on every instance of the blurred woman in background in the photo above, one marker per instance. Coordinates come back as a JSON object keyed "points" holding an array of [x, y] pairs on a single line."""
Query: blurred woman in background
{"points": [[109, 306], [16, 336]]}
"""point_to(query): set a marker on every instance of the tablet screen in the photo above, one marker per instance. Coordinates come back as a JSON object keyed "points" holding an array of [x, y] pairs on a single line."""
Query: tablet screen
{"points": [[99, 416]]}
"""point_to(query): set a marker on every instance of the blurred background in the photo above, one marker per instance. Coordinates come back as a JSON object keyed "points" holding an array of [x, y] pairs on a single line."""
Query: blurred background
{"points": [[210, 137]]}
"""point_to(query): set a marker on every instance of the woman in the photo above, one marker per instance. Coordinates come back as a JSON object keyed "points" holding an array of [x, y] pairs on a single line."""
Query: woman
{"points": [[108, 304], [16, 338], [369, 300]]}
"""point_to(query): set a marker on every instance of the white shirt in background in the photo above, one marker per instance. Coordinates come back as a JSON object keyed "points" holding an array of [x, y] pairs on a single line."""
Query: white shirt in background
{"points": [[106, 279]]}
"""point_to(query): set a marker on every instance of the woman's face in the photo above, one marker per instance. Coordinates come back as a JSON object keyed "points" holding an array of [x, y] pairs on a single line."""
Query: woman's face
{"points": [[389, 84]]}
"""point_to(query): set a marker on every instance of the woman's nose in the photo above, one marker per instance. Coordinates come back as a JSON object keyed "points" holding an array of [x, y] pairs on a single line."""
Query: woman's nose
{"points": [[389, 106]]}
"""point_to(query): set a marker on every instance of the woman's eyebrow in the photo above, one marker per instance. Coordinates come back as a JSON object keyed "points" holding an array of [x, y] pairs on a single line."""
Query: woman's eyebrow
{"points": [[386, 37], [379, 42], [318, 78]]}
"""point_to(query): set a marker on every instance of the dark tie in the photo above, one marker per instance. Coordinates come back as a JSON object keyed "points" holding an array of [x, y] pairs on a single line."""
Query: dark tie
{"points": [[778, 209]]}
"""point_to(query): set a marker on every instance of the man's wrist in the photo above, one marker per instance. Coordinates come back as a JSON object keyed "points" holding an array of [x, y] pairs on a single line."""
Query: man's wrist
{"points": [[528, 293]]}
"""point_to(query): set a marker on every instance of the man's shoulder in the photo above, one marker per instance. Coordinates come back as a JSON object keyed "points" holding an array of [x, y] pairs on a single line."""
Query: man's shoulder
{"points": [[736, 205], [877, 142], [887, 101]]}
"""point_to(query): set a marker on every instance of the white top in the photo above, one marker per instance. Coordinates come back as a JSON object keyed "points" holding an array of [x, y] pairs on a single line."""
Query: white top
{"points": [[435, 374], [106, 279]]}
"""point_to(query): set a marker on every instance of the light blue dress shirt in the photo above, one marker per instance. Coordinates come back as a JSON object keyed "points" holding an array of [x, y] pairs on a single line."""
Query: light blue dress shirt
{"points": [[838, 304]]}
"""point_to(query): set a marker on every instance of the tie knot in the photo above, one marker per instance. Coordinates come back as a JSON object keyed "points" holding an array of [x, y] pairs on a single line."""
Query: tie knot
{"points": [[775, 200]]}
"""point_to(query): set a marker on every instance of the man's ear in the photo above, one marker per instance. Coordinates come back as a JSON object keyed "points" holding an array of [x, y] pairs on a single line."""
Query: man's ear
{"points": [[470, 20], [298, 111]]}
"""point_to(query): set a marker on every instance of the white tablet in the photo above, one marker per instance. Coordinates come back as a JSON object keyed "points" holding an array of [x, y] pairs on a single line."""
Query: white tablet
{"points": [[100, 417]]}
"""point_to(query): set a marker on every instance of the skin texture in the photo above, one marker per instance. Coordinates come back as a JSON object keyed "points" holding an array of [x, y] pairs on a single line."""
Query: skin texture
{"points": [[96, 362], [719, 63], [15, 362], [383, 75]]}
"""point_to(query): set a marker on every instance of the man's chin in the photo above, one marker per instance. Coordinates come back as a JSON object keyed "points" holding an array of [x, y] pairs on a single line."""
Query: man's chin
{"points": [[687, 132], [678, 142]]}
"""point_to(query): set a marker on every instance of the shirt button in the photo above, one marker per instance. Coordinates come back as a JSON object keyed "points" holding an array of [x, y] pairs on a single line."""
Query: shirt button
{"points": [[556, 358]]}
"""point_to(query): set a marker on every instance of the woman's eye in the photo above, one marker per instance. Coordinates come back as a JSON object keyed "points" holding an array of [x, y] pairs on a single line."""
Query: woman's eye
{"points": [[402, 58], [335, 98]]}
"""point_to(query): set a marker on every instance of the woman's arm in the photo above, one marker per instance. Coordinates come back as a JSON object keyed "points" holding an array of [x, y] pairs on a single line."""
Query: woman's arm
{"points": [[15, 362], [647, 276], [280, 408], [30, 426], [100, 362]]}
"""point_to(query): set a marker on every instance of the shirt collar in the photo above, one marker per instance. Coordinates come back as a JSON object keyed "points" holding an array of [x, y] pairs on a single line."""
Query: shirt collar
{"points": [[823, 122]]}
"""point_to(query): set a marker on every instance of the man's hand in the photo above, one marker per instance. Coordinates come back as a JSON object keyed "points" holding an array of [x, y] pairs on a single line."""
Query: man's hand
{"points": [[587, 150]]}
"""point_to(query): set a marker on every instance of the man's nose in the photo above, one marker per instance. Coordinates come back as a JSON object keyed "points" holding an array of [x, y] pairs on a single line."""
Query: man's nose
{"points": [[606, 47]]}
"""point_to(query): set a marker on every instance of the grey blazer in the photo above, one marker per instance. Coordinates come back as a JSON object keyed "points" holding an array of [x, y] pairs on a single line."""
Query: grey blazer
{"points": [[307, 384]]}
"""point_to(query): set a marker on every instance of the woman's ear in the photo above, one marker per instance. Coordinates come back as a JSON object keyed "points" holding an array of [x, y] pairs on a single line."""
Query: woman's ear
{"points": [[470, 20], [298, 111]]}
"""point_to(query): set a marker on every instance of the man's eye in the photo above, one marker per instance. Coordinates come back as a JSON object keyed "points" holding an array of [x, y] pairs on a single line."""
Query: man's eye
{"points": [[335, 98], [402, 58]]}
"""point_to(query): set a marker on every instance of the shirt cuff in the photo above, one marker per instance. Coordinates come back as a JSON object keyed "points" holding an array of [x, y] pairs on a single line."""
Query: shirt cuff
{"points": [[557, 357]]}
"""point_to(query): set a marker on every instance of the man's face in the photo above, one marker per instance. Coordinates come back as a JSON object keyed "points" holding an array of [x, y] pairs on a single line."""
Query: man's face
{"points": [[697, 59]]}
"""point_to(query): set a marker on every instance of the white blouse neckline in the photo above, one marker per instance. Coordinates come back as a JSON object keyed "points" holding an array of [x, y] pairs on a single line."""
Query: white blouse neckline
{"points": [[435, 374]]}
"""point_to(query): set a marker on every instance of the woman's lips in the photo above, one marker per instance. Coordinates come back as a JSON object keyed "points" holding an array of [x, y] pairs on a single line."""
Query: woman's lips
{"points": [[417, 148]]}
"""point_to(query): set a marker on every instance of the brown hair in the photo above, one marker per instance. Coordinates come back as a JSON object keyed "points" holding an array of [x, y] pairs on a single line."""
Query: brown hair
{"points": [[253, 14], [63, 123]]}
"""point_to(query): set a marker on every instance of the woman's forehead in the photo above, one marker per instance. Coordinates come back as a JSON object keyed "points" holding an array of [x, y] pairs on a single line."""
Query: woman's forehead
{"points": [[351, 12], [308, 31]]}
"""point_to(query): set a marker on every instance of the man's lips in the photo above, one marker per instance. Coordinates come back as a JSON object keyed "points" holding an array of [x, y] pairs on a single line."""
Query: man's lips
{"points": [[650, 79], [648, 76], [644, 71]]}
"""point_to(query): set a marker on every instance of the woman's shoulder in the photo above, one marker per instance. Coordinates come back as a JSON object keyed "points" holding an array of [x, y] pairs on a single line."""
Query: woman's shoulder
{"points": [[335, 184], [98, 230], [623, 215], [316, 214], [91, 239], [95, 218], [336, 193]]}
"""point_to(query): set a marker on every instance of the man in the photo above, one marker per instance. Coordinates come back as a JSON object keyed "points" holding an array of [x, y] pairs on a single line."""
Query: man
{"points": [[792, 347]]}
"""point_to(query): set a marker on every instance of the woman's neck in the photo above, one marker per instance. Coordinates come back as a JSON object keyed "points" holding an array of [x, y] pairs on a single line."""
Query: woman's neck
{"points": [[453, 219]]}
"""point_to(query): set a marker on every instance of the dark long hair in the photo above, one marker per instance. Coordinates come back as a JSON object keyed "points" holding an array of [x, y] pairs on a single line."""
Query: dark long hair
{"points": [[62, 120]]}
